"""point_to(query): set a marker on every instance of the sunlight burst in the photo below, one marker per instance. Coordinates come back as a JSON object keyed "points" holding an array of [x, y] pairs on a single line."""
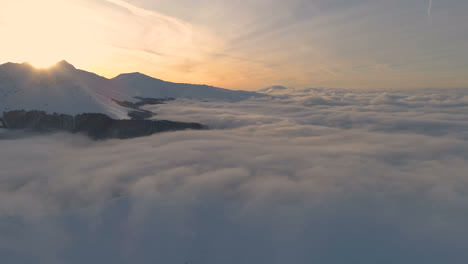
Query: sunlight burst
{"points": [[45, 32]]}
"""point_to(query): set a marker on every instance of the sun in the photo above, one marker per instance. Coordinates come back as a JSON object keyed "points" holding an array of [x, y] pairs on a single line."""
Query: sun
{"points": [[42, 62]]}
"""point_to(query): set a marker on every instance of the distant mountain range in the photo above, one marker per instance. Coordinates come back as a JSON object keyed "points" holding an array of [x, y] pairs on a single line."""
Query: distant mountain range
{"points": [[64, 89], [273, 89]]}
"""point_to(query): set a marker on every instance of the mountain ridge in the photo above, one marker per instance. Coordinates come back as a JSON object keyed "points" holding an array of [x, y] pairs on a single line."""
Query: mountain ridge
{"points": [[64, 89]]}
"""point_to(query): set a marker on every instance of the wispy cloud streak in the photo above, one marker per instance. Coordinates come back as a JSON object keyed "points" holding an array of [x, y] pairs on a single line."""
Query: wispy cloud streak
{"points": [[429, 9]]}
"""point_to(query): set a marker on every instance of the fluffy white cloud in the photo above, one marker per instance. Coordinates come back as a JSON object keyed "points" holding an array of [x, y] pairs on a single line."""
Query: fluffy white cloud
{"points": [[327, 176]]}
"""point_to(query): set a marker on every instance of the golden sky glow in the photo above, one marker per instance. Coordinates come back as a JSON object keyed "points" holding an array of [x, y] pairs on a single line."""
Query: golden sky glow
{"points": [[110, 37], [244, 45], [44, 32]]}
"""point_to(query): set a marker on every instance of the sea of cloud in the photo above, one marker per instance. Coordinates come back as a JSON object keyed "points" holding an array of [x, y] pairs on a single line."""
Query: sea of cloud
{"points": [[317, 176]]}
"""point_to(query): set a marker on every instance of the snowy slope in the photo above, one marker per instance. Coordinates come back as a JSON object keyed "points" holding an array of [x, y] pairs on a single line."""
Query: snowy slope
{"points": [[60, 89], [67, 90], [137, 84]]}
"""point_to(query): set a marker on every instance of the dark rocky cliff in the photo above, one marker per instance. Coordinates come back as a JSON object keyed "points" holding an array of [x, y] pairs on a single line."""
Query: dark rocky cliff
{"points": [[96, 126], [138, 113]]}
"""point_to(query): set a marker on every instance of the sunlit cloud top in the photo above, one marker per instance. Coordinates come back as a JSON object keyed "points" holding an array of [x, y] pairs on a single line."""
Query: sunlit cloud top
{"points": [[247, 45]]}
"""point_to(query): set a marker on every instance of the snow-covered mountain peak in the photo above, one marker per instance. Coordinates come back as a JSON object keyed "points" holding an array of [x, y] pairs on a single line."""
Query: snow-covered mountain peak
{"points": [[64, 89], [63, 65], [132, 76], [141, 85], [24, 64], [58, 89], [25, 72], [11, 68]]}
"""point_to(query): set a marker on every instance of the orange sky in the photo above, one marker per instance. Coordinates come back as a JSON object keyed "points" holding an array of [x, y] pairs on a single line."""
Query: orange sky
{"points": [[243, 46]]}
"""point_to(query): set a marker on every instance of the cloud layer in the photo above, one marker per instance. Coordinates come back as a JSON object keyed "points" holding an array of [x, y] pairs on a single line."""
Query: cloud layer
{"points": [[327, 176]]}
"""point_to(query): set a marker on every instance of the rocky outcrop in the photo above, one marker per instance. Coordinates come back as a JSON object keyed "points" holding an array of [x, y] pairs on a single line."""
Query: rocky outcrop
{"points": [[96, 126], [152, 101], [138, 113]]}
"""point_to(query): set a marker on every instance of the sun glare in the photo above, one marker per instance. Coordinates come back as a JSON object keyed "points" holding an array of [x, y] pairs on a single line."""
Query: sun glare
{"points": [[45, 32], [42, 62]]}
